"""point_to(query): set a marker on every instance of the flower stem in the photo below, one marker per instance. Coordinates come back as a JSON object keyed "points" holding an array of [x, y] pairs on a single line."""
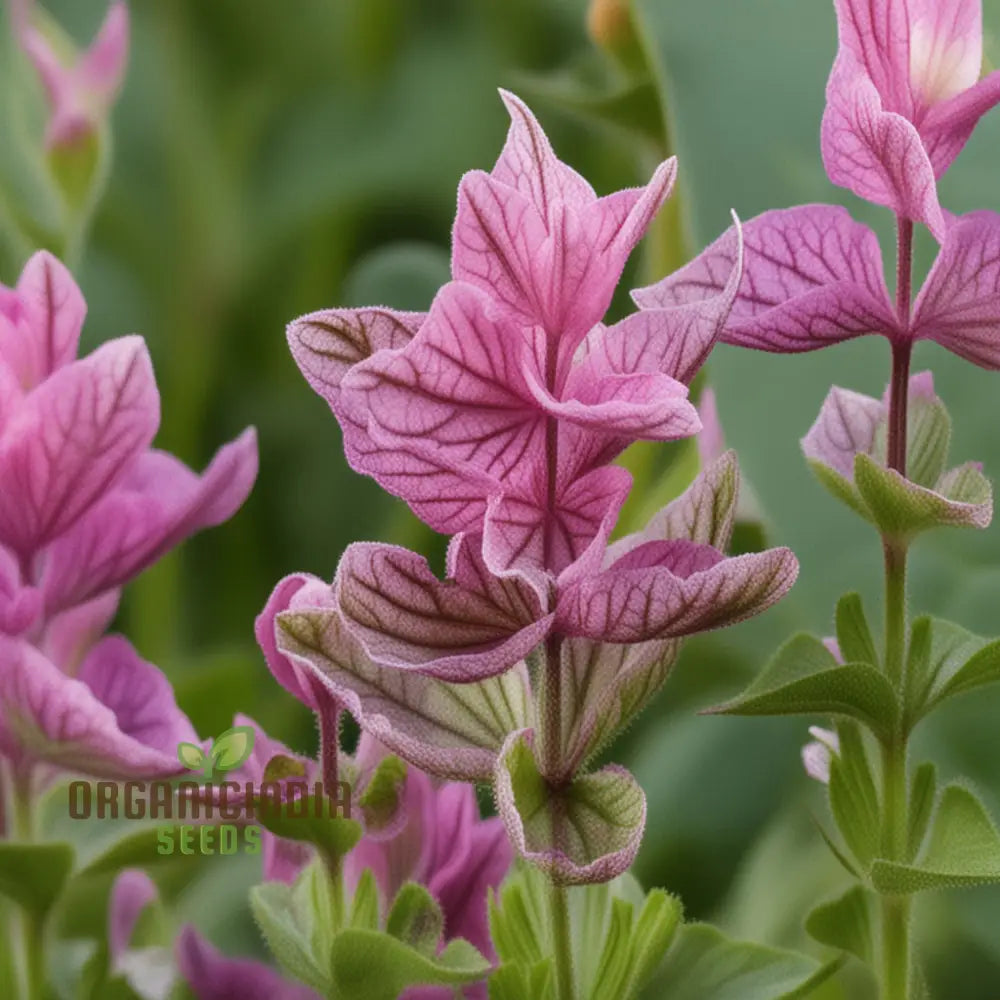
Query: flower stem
{"points": [[559, 909], [895, 610], [895, 909], [902, 348], [32, 926]]}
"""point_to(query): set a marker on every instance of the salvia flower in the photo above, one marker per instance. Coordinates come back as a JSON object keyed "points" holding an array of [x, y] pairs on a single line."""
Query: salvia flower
{"points": [[903, 98], [80, 90], [86, 505], [497, 416], [814, 277]]}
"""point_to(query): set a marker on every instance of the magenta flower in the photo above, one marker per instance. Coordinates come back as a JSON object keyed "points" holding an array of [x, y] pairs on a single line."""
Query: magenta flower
{"points": [[814, 277], [214, 976], [497, 417], [903, 98], [86, 506], [80, 92]]}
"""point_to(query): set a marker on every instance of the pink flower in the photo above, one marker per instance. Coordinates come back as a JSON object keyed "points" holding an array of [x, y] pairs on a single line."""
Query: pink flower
{"points": [[814, 277], [819, 752], [903, 98], [87, 504], [81, 92], [498, 416]]}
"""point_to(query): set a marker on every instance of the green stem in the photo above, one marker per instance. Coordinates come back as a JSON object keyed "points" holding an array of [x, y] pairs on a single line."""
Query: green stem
{"points": [[895, 611], [32, 926], [559, 908], [895, 948]]}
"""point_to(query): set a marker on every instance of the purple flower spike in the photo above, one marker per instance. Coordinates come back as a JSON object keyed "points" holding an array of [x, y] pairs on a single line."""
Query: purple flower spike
{"points": [[903, 98], [81, 93]]}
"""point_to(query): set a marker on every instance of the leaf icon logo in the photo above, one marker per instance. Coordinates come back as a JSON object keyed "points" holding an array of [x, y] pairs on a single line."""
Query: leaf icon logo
{"points": [[191, 756], [232, 748]]}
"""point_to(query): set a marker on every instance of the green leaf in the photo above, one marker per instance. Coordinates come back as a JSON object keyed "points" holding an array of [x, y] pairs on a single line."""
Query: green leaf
{"points": [[846, 923], [415, 918], [946, 660], [928, 440], [33, 875], [923, 790], [853, 797], [515, 982], [281, 767], [311, 819], [458, 726], [705, 965], [232, 748], [295, 921], [368, 965], [380, 801], [652, 935], [963, 850], [365, 905], [853, 634], [804, 678], [901, 509], [601, 817], [191, 756]]}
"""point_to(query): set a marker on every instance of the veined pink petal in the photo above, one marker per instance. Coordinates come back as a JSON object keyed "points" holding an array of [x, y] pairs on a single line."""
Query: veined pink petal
{"points": [[468, 627], [522, 534], [813, 276], [459, 383], [117, 720], [959, 305], [903, 99], [48, 317], [673, 332], [664, 590], [877, 154], [327, 344], [534, 235], [529, 165], [71, 634], [299, 590], [72, 440], [638, 406], [847, 424]]}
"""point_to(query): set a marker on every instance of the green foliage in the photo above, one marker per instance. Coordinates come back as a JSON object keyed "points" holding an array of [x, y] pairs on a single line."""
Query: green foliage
{"points": [[963, 849], [34, 875], [804, 678], [619, 936], [854, 801], [854, 636], [846, 923], [380, 802], [311, 819], [705, 965]]}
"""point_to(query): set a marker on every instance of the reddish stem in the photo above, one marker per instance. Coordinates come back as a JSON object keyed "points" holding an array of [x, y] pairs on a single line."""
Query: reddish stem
{"points": [[902, 348]]}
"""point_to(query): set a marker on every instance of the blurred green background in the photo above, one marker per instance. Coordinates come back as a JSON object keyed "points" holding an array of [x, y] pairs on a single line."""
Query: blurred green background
{"points": [[271, 159]]}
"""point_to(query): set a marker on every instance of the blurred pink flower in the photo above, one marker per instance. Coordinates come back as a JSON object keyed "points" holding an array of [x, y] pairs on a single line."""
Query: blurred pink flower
{"points": [[81, 92], [87, 505], [817, 754]]}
